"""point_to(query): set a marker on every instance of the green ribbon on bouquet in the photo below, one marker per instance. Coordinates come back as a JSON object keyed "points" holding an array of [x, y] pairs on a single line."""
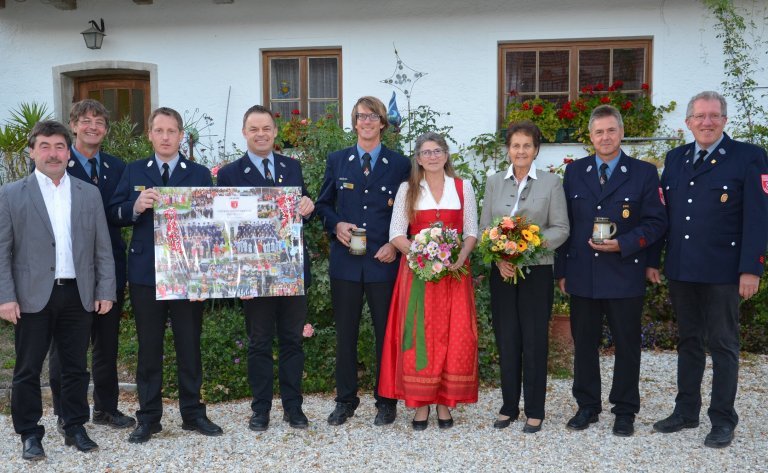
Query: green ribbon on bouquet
{"points": [[415, 311]]}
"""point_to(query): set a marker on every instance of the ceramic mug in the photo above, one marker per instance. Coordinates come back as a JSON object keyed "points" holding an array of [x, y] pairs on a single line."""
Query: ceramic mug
{"points": [[603, 229]]}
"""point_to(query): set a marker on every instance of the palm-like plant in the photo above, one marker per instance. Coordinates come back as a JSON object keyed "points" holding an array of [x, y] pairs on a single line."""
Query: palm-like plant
{"points": [[14, 160]]}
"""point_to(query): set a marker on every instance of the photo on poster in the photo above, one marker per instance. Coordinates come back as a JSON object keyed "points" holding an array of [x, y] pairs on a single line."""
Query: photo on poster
{"points": [[220, 242]]}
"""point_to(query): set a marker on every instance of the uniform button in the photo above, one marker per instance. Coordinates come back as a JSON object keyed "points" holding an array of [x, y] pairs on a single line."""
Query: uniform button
{"points": [[687, 218], [596, 255], [690, 200], [365, 224], [341, 187], [131, 250], [626, 199], [636, 260], [733, 243], [725, 188], [599, 207], [691, 182], [667, 187], [365, 207], [687, 237], [366, 191]]}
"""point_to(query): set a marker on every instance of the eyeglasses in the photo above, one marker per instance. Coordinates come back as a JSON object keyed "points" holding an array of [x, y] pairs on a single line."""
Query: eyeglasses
{"points": [[700, 117], [432, 152], [95, 123], [368, 117]]}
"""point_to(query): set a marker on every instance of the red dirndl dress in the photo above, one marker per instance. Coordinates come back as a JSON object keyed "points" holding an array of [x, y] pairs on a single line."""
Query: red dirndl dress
{"points": [[450, 327]]}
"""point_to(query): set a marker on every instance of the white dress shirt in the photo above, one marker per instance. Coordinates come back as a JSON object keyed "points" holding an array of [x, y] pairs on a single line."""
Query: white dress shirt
{"points": [[398, 226], [58, 203], [520, 184]]}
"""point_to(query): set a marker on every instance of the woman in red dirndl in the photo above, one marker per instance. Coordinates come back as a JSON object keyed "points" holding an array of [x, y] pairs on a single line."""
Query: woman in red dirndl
{"points": [[449, 340]]}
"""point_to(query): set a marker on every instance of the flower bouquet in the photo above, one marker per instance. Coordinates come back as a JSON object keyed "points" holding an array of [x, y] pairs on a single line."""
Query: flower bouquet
{"points": [[515, 240], [434, 249]]}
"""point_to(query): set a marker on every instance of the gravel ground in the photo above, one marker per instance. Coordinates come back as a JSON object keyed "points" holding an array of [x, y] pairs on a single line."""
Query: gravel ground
{"points": [[472, 445]]}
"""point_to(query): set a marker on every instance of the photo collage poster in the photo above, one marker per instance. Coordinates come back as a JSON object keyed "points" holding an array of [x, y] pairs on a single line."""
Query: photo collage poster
{"points": [[220, 242]]}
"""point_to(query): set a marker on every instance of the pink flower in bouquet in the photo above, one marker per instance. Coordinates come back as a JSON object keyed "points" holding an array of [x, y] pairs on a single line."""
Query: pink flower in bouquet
{"points": [[215, 170], [494, 233], [510, 247], [437, 267], [507, 223], [308, 331]]}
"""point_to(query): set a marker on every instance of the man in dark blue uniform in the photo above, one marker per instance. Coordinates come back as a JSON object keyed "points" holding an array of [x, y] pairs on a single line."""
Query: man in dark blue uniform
{"points": [[132, 205], [260, 167], [89, 121], [716, 190], [358, 192], [608, 278]]}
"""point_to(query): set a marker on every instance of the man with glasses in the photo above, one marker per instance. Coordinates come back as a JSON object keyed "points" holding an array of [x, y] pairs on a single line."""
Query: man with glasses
{"points": [[89, 121], [358, 192], [716, 190]]}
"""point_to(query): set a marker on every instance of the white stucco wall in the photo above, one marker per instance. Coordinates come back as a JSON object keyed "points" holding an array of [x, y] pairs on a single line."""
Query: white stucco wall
{"points": [[200, 49]]}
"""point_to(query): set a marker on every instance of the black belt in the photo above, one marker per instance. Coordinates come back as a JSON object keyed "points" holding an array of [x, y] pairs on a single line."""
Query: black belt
{"points": [[64, 281]]}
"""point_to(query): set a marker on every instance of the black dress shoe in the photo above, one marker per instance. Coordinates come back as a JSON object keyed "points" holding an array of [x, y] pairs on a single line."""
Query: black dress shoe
{"points": [[674, 423], [144, 431], [582, 419], [503, 423], [202, 425], [532, 429], [296, 418], [81, 441], [719, 437], [259, 421], [115, 419], [624, 426], [32, 449], [444, 423], [420, 424], [342, 412], [60, 425], [385, 415]]}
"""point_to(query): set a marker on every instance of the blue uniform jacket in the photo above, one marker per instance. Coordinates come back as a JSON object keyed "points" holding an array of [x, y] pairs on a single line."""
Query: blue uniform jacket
{"points": [[631, 199], [110, 171], [241, 173], [141, 251], [346, 197], [718, 213]]}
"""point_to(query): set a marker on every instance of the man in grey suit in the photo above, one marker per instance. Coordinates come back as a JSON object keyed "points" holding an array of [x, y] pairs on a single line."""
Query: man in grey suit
{"points": [[56, 270]]}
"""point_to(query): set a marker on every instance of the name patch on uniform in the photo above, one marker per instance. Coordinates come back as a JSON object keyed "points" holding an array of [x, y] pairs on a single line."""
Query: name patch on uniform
{"points": [[138, 188], [348, 185], [764, 179]]}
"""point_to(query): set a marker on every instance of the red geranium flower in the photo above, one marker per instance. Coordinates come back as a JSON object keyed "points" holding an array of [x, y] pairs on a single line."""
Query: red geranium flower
{"points": [[617, 84], [567, 105], [568, 160], [627, 105], [645, 86], [526, 106], [605, 99], [588, 89], [581, 106], [599, 86], [295, 111], [513, 93], [538, 109], [611, 88], [277, 114]]}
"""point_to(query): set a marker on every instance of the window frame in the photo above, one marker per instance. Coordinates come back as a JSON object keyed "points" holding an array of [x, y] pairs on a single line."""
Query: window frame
{"points": [[573, 47], [303, 55]]}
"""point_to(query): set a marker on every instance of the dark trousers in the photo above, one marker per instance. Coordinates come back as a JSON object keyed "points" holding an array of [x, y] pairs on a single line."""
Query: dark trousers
{"points": [[262, 315], [587, 327], [707, 313], [347, 300], [521, 324], [105, 333], [187, 324], [64, 320]]}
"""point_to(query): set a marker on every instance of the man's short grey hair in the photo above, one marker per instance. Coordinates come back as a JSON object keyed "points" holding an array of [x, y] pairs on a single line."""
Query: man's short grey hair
{"points": [[602, 111], [707, 95]]}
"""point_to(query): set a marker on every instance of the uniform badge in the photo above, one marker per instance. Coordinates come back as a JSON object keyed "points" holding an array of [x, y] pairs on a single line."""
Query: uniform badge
{"points": [[351, 157], [724, 198], [390, 202], [624, 169], [625, 213], [589, 168], [149, 163], [71, 163], [138, 188], [247, 170], [280, 179], [713, 161], [384, 160], [282, 164], [348, 185], [183, 165], [764, 180]]}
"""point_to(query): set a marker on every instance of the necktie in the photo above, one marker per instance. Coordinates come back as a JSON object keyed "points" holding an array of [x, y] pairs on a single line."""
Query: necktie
{"points": [[166, 173], [94, 171], [267, 174], [699, 159], [603, 174], [366, 164]]}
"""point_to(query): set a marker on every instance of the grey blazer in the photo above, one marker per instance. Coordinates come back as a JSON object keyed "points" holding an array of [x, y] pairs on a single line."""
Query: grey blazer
{"points": [[542, 202], [27, 246]]}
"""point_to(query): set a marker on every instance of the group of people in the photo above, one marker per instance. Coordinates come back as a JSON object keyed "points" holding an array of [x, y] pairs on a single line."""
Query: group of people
{"points": [[62, 281]]}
